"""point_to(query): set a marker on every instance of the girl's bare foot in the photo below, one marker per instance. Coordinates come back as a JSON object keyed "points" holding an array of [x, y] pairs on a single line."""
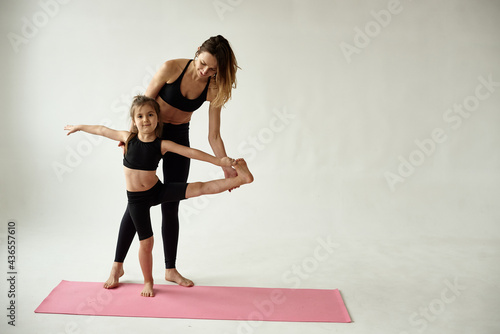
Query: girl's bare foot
{"points": [[243, 171], [172, 275], [148, 290], [116, 273]]}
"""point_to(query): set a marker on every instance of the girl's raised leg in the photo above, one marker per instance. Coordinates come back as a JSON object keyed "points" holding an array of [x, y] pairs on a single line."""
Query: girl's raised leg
{"points": [[217, 186]]}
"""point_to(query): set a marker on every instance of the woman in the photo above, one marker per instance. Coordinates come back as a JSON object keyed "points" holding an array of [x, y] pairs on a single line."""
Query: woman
{"points": [[180, 87]]}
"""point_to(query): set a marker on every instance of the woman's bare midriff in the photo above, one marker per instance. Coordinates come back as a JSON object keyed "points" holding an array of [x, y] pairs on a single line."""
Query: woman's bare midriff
{"points": [[169, 114], [139, 180]]}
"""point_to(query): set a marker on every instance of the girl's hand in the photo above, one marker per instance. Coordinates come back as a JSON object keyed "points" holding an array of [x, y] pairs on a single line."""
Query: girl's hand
{"points": [[226, 162], [71, 129]]}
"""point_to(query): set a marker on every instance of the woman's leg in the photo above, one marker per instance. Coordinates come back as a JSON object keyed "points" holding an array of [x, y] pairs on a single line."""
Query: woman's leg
{"points": [[175, 169], [125, 237]]}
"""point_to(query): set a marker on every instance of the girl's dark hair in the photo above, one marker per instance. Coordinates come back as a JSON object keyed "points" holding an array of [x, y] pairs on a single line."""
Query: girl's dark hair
{"points": [[227, 66], [139, 101]]}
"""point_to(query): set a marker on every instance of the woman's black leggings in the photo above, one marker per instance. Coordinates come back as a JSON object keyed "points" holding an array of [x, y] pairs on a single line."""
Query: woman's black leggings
{"points": [[175, 169]]}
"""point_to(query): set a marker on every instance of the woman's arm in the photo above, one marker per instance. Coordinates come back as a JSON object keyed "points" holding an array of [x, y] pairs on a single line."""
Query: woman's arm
{"points": [[215, 139], [99, 130], [166, 71], [192, 153]]}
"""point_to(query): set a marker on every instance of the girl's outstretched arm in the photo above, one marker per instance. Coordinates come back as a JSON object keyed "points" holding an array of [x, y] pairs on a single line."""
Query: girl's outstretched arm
{"points": [[192, 153], [99, 130]]}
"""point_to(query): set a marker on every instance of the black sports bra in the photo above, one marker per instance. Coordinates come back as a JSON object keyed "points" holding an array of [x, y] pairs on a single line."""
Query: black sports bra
{"points": [[171, 93], [142, 155]]}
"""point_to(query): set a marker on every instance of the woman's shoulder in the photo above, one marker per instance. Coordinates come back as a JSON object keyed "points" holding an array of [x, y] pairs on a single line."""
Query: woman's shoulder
{"points": [[213, 84], [179, 62], [213, 90], [173, 67]]}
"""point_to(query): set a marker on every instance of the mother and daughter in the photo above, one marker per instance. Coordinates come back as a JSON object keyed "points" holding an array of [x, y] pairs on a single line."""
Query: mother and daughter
{"points": [[160, 130]]}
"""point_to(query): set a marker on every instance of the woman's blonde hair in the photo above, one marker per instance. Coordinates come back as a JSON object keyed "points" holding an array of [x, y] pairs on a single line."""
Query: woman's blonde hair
{"points": [[227, 66], [138, 102]]}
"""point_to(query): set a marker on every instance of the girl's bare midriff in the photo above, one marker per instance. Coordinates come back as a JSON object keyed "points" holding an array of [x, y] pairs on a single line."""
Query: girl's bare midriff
{"points": [[139, 180]]}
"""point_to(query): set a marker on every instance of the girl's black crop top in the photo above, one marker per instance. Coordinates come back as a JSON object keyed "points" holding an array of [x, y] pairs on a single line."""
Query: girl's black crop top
{"points": [[141, 155]]}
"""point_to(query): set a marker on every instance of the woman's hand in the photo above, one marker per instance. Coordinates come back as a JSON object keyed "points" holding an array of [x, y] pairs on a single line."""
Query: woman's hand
{"points": [[227, 162]]}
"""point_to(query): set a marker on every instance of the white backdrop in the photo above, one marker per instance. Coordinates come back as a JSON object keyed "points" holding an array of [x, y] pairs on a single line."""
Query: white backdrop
{"points": [[362, 121]]}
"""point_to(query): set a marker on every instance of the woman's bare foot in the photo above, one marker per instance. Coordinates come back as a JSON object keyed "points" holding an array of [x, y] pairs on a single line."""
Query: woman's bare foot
{"points": [[148, 290], [243, 171], [116, 273], [172, 275]]}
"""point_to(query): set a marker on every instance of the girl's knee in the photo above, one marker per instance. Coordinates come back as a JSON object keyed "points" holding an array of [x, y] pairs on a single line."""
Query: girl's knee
{"points": [[147, 244], [194, 189]]}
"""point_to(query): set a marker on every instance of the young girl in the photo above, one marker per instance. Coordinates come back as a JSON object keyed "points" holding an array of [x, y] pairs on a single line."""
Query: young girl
{"points": [[143, 151]]}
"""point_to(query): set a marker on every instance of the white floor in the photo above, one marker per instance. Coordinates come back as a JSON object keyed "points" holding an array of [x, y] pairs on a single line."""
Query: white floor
{"points": [[389, 286]]}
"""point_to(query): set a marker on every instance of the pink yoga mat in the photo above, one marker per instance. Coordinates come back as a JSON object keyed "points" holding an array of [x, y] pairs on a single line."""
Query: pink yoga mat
{"points": [[198, 302]]}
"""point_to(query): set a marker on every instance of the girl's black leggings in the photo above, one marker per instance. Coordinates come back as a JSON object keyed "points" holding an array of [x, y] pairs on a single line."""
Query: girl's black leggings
{"points": [[175, 169]]}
